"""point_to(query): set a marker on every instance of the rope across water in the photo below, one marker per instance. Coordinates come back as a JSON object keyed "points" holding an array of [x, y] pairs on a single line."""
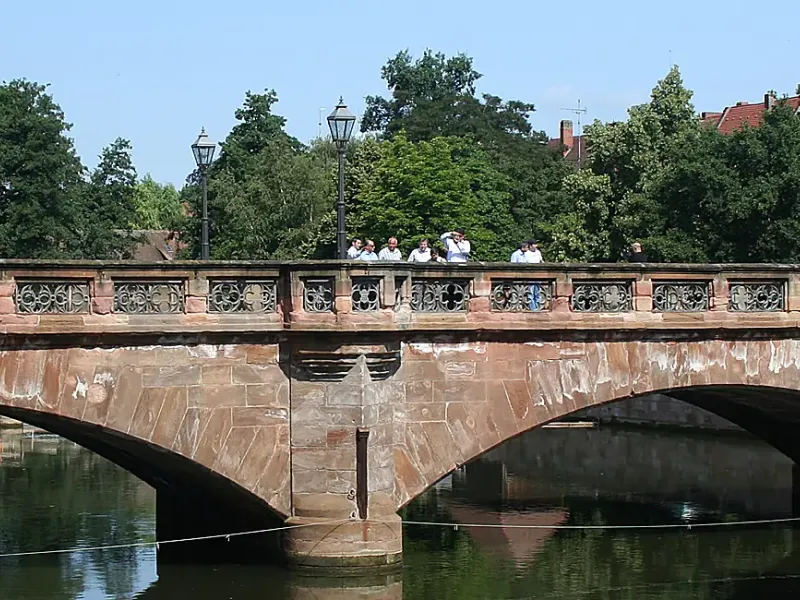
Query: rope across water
{"points": [[228, 536]]}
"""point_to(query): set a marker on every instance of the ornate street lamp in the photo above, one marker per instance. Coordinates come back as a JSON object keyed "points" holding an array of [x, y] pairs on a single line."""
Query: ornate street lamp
{"points": [[341, 122], [203, 150]]}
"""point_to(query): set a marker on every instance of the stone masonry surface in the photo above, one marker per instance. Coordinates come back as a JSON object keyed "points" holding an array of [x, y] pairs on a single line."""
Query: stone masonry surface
{"points": [[248, 374]]}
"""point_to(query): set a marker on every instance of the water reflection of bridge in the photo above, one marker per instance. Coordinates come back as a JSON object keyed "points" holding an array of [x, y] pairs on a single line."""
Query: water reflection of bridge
{"points": [[728, 474], [16, 441], [530, 480]]}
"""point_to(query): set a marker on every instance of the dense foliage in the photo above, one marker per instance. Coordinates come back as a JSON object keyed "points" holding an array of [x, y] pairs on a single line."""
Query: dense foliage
{"points": [[50, 206], [433, 155]]}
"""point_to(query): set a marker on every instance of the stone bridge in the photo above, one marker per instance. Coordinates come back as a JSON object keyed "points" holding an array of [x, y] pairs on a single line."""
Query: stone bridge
{"points": [[334, 393]]}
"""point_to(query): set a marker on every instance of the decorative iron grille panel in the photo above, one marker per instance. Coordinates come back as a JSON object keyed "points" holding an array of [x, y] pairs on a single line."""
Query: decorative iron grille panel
{"points": [[521, 296], [690, 296], [762, 296], [242, 295], [366, 294], [148, 297], [318, 295], [602, 297], [52, 297], [439, 295]]}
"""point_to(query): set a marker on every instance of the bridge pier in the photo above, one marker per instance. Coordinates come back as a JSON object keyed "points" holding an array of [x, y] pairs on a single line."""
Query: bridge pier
{"points": [[343, 402], [327, 541]]}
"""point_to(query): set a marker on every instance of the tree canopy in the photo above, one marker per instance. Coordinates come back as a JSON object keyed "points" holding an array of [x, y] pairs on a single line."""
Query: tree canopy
{"points": [[267, 192], [50, 206], [436, 153]]}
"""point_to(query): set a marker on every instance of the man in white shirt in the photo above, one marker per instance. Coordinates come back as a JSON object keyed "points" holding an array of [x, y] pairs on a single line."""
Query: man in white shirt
{"points": [[421, 254], [368, 253], [355, 249], [520, 254], [533, 255], [391, 252], [457, 246]]}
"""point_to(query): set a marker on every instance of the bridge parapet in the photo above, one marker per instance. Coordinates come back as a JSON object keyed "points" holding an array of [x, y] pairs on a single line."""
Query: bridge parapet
{"points": [[192, 297]]}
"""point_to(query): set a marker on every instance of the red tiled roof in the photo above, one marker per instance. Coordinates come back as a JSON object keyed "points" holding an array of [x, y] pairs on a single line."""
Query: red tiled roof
{"points": [[735, 117], [711, 118], [572, 153]]}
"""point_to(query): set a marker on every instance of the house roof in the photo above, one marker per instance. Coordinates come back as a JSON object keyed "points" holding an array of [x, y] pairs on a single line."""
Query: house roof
{"points": [[154, 245], [579, 141], [743, 114]]}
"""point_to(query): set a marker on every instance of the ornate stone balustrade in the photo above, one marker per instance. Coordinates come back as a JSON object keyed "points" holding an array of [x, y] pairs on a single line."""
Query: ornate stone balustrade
{"points": [[192, 297]]}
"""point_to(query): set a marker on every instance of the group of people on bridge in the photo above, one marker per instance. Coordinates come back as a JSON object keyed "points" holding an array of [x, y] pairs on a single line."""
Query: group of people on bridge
{"points": [[457, 249]]}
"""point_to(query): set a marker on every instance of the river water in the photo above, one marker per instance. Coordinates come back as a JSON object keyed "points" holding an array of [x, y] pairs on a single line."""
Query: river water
{"points": [[56, 495]]}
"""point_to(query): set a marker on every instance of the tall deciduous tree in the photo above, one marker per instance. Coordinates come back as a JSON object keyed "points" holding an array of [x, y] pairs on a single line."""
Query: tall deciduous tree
{"points": [[40, 174], [428, 188], [158, 206], [436, 96], [266, 191], [616, 200], [108, 204]]}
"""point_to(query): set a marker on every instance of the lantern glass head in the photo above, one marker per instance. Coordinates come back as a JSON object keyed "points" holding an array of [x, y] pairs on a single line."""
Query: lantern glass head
{"points": [[203, 150], [341, 122]]}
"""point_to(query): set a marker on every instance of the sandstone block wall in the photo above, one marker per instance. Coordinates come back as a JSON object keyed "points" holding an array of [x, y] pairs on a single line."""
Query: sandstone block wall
{"points": [[225, 407]]}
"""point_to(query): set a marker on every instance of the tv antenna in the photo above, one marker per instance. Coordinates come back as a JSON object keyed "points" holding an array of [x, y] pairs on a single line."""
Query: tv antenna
{"points": [[319, 130], [578, 112]]}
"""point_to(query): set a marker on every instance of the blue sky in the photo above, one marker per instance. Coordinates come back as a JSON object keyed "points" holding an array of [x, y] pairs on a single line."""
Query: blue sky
{"points": [[156, 71]]}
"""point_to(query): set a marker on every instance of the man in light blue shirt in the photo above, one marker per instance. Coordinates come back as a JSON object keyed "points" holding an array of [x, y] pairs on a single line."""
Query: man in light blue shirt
{"points": [[368, 253], [519, 255]]}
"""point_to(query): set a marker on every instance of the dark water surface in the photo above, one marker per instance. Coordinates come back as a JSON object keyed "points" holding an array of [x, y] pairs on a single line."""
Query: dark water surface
{"points": [[56, 495]]}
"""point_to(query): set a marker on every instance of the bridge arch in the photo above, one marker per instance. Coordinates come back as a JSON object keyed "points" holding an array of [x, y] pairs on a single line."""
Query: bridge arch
{"points": [[205, 425], [465, 398]]}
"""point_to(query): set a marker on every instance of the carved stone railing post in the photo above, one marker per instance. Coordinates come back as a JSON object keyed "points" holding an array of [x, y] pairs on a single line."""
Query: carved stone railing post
{"points": [[102, 290], [197, 295], [481, 294], [793, 293], [343, 290], [719, 293], [7, 288], [643, 294], [562, 293]]}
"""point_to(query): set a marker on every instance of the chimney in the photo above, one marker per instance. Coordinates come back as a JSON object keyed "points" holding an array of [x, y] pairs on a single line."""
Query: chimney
{"points": [[769, 101], [566, 135], [740, 103]]}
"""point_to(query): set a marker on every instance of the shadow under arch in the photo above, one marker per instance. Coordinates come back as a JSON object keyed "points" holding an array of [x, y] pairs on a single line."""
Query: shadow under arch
{"points": [[771, 414], [191, 500]]}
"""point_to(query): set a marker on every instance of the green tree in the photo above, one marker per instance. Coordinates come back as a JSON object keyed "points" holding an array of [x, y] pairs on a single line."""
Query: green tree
{"points": [[738, 195], [267, 192], [158, 206], [40, 176], [424, 189], [435, 96], [580, 232], [108, 204], [618, 199]]}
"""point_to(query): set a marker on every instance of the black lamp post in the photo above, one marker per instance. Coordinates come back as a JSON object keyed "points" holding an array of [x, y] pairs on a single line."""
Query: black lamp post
{"points": [[203, 150], [341, 122]]}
